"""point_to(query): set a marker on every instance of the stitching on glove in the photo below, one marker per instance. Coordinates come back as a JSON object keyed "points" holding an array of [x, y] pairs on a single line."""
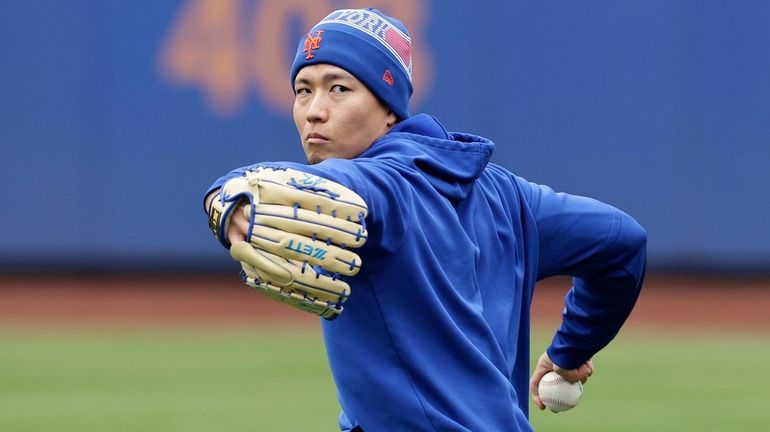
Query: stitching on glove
{"points": [[293, 182], [352, 263], [270, 166], [265, 238], [362, 219], [358, 233], [318, 189], [340, 296]]}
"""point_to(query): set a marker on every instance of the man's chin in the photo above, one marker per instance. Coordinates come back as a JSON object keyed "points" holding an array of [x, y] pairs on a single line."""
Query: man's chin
{"points": [[312, 160]]}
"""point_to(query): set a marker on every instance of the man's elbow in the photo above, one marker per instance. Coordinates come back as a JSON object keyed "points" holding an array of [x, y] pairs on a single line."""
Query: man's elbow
{"points": [[635, 246], [637, 236]]}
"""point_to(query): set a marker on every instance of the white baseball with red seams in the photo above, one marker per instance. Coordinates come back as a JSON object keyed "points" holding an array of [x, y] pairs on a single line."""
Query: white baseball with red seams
{"points": [[558, 394]]}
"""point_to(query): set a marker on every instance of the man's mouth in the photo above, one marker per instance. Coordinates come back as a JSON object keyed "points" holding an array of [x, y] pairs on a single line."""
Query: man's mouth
{"points": [[316, 138]]}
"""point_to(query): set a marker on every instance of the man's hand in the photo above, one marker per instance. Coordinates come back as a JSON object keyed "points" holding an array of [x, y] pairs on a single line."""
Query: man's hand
{"points": [[545, 365], [239, 225]]}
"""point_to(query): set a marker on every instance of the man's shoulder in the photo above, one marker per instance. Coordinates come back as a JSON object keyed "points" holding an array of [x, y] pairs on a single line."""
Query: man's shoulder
{"points": [[500, 175]]}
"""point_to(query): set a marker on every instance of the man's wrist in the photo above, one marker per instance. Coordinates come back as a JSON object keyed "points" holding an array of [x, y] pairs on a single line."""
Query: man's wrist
{"points": [[209, 199]]}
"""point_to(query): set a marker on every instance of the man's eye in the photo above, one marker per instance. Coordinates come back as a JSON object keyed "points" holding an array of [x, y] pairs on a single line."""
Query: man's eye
{"points": [[301, 91], [339, 88]]}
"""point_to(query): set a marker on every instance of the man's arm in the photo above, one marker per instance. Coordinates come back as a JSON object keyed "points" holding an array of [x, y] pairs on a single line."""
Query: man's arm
{"points": [[292, 227], [382, 187], [604, 250]]}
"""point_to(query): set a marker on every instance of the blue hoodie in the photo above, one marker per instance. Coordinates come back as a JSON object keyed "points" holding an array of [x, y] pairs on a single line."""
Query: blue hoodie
{"points": [[435, 335]]}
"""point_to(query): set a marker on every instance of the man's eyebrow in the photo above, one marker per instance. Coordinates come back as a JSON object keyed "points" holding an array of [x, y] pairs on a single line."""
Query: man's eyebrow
{"points": [[329, 76], [301, 81]]}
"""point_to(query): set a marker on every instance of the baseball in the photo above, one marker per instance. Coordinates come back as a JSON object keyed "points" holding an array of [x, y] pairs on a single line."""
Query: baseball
{"points": [[558, 394]]}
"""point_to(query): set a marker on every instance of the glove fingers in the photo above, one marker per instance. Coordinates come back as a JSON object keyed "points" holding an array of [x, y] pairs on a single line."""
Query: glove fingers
{"points": [[310, 224], [297, 300], [318, 285], [297, 291], [289, 275], [289, 187], [301, 248], [270, 270]]}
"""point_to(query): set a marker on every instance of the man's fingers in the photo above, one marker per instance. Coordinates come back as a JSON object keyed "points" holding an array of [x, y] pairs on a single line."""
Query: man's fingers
{"points": [[533, 384], [540, 405], [585, 371], [544, 365], [239, 224], [584, 374]]}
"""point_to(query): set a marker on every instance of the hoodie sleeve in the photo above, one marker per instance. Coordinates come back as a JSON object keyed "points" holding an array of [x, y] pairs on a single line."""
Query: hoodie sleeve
{"points": [[604, 250], [384, 192]]}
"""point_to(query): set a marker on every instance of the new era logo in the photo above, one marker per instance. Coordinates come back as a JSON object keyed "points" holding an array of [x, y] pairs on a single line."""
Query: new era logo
{"points": [[388, 77]]}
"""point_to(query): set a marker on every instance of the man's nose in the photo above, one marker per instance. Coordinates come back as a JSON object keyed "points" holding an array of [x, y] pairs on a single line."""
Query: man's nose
{"points": [[318, 110]]}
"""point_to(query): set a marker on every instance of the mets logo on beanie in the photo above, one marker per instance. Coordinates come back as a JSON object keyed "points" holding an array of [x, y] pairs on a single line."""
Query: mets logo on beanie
{"points": [[311, 43], [372, 46]]}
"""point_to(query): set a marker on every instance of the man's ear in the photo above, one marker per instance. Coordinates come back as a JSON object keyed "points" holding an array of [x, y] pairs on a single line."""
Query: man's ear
{"points": [[392, 118]]}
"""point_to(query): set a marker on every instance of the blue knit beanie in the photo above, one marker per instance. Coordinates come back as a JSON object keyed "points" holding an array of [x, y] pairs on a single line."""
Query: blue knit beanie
{"points": [[372, 46]]}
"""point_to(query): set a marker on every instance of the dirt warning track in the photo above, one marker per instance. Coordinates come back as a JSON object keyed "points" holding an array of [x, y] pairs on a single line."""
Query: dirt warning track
{"points": [[681, 302]]}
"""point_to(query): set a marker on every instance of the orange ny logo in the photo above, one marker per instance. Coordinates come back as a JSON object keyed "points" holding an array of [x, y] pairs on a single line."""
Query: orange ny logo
{"points": [[311, 43]]}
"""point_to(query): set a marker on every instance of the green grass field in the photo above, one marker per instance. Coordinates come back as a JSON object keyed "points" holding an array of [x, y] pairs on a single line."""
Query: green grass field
{"points": [[246, 380]]}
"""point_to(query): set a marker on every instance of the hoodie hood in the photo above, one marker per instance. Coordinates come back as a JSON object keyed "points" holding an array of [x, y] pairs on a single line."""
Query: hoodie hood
{"points": [[450, 161]]}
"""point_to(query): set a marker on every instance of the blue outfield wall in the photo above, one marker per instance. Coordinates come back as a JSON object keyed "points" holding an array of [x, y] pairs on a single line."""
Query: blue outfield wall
{"points": [[116, 116]]}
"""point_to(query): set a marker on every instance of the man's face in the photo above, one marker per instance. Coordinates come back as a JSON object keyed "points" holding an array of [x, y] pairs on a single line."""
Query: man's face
{"points": [[336, 114]]}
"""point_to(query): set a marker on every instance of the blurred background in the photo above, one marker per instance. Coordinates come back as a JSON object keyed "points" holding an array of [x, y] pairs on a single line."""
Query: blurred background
{"points": [[115, 117]]}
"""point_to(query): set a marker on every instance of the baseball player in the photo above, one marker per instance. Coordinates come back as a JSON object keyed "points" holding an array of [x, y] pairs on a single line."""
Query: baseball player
{"points": [[420, 255]]}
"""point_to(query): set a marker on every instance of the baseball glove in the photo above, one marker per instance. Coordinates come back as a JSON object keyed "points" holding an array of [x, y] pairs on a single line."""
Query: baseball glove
{"points": [[301, 228]]}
